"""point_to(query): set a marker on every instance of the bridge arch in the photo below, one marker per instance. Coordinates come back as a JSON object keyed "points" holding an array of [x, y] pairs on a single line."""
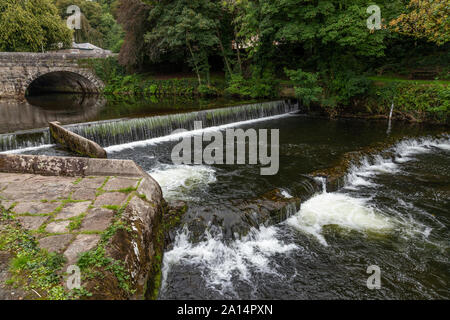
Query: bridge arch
{"points": [[61, 80], [19, 69]]}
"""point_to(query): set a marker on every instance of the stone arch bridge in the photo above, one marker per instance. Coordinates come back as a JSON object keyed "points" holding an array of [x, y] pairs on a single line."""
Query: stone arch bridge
{"points": [[24, 73]]}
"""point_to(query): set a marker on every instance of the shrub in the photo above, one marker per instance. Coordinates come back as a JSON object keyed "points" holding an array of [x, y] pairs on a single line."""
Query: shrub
{"points": [[423, 102], [238, 86], [208, 91], [106, 69], [265, 86], [347, 86], [306, 86]]}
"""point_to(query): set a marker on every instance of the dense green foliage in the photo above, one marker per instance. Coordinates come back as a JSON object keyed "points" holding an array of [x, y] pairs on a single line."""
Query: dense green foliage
{"points": [[322, 48], [413, 101], [416, 101], [140, 85], [254, 87], [106, 69], [306, 85], [181, 24], [254, 40], [98, 24], [133, 84], [32, 25], [425, 19], [39, 25]]}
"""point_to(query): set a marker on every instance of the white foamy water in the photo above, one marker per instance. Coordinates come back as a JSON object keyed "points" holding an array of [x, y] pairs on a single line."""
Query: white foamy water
{"points": [[346, 211], [177, 180], [337, 209], [219, 261], [15, 151], [178, 136], [286, 194], [403, 151]]}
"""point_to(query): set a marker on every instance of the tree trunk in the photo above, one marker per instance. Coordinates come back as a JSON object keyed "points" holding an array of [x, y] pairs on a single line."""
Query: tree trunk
{"points": [[238, 51], [195, 63], [227, 64]]}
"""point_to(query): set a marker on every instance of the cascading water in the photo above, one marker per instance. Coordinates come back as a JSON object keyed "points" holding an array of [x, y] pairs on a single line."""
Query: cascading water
{"points": [[124, 131], [390, 113], [347, 211], [276, 258], [392, 210], [120, 131], [390, 119], [323, 182], [25, 140]]}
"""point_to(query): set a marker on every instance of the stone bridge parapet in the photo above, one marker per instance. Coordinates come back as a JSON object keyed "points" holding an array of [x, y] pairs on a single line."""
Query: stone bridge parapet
{"points": [[18, 70]]}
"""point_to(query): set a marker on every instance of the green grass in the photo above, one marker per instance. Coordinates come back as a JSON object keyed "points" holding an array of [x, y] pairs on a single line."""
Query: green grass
{"points": [[75, 222], [395, 79], [388, 79], [111, 207], [77, 181], [93, 261], [100, 189], [36, 271], [125, 190]]}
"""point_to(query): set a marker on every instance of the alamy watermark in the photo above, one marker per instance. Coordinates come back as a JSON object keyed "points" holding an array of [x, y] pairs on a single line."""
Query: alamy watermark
{"points": [[374, 21], [233, 142], [374, 280], [74, 278], [74, 20]]}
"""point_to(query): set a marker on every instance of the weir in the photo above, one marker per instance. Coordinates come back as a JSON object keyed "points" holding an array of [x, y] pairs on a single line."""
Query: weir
{"points": [[120, 131], [24, 139]]}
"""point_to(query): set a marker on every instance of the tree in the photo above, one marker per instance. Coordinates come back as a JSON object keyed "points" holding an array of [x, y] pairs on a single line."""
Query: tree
{"points": [[133, 17], [425, 19], [306, 86], [233, 12], [90, 19], [315, 25], [32, 25], [98, 26], [185, 25]]}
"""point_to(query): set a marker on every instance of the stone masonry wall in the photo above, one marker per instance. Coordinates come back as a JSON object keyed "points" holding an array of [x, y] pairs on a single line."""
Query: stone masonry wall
{"points": [[18, 70], [80, 206]]}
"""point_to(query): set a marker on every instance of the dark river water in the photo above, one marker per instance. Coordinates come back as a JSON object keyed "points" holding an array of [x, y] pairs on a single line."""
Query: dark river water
{"points": [[37, 111], [393, 212]]}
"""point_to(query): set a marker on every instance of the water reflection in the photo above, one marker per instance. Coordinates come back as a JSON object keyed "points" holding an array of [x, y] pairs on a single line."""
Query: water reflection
{"points": [[37, 111]]}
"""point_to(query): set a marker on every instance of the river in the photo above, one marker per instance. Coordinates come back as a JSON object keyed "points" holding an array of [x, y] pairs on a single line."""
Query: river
{"points": [[392, 211]]}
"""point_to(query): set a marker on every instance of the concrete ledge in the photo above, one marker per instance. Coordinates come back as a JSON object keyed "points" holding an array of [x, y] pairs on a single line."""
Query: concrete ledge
{"points": [[68, 166], [75, 142]]}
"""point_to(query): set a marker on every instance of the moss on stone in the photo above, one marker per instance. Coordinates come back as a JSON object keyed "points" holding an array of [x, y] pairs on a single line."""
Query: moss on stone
{"points": [[34, 270]]}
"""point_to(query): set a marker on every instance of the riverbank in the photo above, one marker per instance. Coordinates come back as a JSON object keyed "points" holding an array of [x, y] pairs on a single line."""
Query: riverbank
{"points": [[411, 101], [423, 101], [102, 216]]}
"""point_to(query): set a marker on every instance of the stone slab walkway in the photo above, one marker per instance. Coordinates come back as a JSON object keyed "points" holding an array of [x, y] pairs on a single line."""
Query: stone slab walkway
{"points": [[66, 214], [74, 205], [5, 292]]}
